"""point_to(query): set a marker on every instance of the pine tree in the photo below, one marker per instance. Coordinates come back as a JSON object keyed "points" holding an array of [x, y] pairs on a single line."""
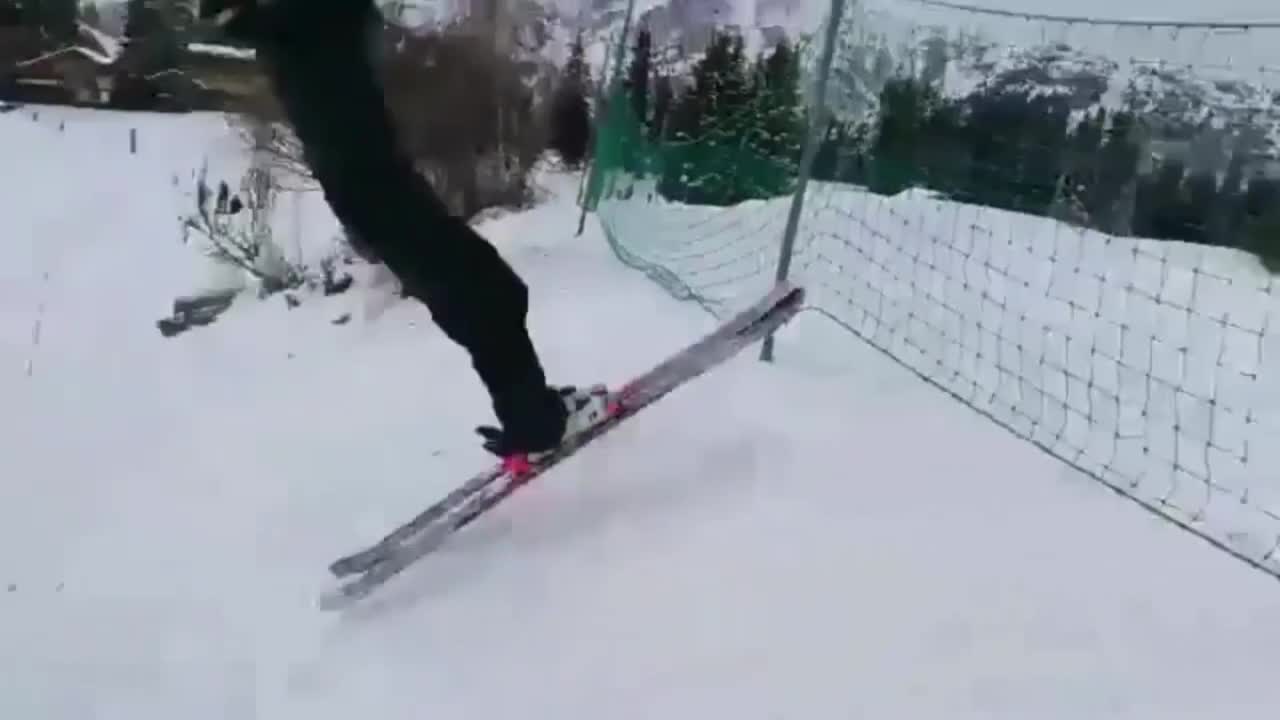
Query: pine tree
{"points": [[826, 161], [570, 110], [945, 156], [663, 96], [780, 119], [1043, 141], [637, 82], [90, 15], [577, 71], [12, 13], [142, 18], [1081, 162], [630, 117], [56, 17], [905, 106], [151, 35], [1262, 221], [1202, 195], [1168, 212], [1118, 166], [709, 122]]}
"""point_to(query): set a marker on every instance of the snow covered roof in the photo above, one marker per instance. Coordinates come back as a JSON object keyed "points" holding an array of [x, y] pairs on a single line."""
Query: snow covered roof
{"points": [[176, 73], [224, 51], [93, 55], [110, 45], [94, 44]]}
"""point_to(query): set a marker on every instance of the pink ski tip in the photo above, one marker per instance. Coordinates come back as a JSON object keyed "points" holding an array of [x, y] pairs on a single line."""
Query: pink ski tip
{"points": [[516, 464]]}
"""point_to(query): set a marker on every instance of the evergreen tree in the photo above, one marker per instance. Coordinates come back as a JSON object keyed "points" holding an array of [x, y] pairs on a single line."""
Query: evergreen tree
{"points": [[1226, 221], [944, 155], [905, 106], [996, 117], [708, 124], [1162, 210], [12, 13], [570, 109], [779, 121], [1080, 163], [637, 82], [826, 161], [57, 18], [1117, 175], [150, 34], [630, 118], [842, 153], [90, 15], [1043, 151], [142, 18], [663, 95], [577, 71], [1262, 221], [1201, 198]]}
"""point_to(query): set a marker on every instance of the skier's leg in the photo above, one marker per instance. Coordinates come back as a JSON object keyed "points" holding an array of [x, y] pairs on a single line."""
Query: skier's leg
{"points": [[317, 56]]}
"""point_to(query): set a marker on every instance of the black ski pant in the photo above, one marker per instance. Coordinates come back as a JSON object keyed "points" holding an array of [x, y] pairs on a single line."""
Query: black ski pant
{"points": [[319, 59]]}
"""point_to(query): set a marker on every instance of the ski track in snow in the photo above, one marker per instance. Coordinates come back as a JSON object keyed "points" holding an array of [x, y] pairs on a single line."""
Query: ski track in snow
{"points": [[826, 537]]}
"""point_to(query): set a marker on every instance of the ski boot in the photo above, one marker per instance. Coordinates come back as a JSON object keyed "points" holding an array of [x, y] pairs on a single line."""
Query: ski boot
{"points": [[585, 408]]}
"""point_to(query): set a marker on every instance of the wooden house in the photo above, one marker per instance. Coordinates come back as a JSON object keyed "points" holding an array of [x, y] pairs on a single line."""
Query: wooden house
{"points": [[35, 69], [71, 74]]}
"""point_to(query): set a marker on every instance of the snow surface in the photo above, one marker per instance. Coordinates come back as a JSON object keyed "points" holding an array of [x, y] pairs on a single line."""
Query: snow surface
{"points": [[826, 537]]}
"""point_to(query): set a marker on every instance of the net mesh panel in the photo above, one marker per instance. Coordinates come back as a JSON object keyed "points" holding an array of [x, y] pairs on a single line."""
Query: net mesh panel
{"points": [[1027, 271]]}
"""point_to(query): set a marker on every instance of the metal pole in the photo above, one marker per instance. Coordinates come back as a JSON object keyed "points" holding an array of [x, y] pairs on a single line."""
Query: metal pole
{"points": [[604, 92], [584, 185], [811, 142]]}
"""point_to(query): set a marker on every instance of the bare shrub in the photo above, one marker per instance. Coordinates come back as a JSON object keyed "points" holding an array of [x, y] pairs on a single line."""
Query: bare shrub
{"points": [[259, 122], [467, 115], [239, 239], [465, 112]]}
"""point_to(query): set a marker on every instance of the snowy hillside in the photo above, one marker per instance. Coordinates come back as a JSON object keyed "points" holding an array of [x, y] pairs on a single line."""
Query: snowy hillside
{"points": [[1180, 80], [1183, 81], [826, 537], [1179, 98], [680, 28]]}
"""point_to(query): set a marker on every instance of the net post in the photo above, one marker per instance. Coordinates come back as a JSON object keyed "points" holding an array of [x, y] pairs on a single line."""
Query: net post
{"points": [[812, 140]]}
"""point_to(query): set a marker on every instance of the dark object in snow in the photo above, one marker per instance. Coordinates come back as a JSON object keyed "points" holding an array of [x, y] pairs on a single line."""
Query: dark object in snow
{"points": [[338, 285], [199, 310], [333, 283]]}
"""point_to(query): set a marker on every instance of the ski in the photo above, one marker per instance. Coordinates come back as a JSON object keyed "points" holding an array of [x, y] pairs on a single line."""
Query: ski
{"points": [[362, 560], [387, 557]]}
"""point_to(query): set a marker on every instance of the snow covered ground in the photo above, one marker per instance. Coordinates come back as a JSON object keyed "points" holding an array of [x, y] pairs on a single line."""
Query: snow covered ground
{"points": [[827, 537]]}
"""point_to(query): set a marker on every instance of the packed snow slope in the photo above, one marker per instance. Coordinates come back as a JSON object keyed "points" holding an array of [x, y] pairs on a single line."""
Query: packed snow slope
{"points": [[825, 537]]}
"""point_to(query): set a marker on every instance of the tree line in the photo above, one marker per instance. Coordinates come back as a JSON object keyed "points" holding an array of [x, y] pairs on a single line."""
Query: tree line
{"points": [[56, 19], [151, 30], [731, 128], [1019, 150]]}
